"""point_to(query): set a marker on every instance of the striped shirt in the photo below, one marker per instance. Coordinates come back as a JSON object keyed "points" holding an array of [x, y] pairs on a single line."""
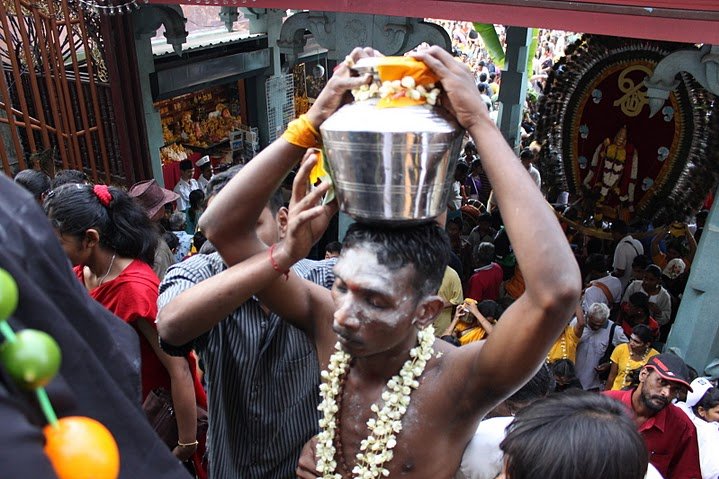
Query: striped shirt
{"points": [[262, 378]]}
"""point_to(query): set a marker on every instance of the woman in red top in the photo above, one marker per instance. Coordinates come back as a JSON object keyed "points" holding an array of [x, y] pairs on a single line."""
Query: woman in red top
{"points": [[111, 244]]}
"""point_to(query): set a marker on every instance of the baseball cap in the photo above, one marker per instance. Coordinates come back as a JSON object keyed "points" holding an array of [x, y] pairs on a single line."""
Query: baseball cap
{"points": [[699, 388], [152, 196], [671, 368]]}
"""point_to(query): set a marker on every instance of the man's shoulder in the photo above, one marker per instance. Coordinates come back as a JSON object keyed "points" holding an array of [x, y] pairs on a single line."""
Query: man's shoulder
{"points": [[619, 395]]}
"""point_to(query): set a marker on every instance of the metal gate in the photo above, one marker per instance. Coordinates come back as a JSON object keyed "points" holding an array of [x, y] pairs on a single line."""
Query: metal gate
{"points": [[55, 100]]}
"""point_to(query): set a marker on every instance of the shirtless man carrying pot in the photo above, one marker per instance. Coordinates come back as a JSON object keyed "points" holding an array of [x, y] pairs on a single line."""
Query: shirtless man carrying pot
{"points": [[406, 403]]}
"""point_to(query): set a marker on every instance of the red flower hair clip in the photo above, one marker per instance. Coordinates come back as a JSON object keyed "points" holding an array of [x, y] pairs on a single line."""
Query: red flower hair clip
{"points": [[103, 194]]}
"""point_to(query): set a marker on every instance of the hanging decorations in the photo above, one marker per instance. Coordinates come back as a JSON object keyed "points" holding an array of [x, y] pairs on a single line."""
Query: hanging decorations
{"points": [[105, 7], [603, 147]]}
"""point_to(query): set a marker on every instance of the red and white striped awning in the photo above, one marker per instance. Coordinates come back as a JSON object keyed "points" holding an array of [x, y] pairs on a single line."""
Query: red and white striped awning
{"points": [[693, 21]]}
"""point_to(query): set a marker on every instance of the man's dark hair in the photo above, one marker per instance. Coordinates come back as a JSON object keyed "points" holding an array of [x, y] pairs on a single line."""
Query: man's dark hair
{"points": [[643, 332], [490, 308], [425, 247], [482, 88], [483, 254], [557, 437], [526, 154], [220, 180], [541, 384], [333, 247], [64, 177], [641, 301], [171, 239], [483, 77], [654, 270], [36, 182], [640, 261], [619, 226]]}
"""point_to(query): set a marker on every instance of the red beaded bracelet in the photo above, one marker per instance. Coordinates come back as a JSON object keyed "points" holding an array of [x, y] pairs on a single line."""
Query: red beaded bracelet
{"points": [[276, 266]]}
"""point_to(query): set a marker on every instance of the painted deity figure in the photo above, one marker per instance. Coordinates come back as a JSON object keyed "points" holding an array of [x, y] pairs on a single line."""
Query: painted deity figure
{"points": [[613, 173]]}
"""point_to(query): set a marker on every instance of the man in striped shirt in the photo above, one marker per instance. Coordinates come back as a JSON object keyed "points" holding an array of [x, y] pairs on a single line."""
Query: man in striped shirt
{"points": [[261, 372], [385, 293]]}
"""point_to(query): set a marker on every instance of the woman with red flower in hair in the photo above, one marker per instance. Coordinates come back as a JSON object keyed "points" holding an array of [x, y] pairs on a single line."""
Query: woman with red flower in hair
{"points": [[111, 245]]}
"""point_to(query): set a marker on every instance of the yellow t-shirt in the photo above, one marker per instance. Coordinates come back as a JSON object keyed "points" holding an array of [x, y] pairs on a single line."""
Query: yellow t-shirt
{"points": [[565, 347], [625, 363], [469, 333], [451, 291]]}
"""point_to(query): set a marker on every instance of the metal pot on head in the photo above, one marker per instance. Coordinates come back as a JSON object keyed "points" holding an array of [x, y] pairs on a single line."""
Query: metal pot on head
{"points": [[393, 165]]}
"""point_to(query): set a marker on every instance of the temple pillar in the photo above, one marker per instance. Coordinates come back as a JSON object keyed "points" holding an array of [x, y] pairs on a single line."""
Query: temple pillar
{"points": [[146, 22], [513, 92], [696, 330]]}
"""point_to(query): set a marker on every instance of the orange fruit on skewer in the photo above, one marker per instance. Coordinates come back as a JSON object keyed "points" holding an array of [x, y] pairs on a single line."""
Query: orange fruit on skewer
{"points": [[82, 448]]}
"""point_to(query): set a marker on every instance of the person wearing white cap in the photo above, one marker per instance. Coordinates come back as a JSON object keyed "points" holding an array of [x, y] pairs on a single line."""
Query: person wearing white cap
{"points": [[702, 407], [205, 166]]}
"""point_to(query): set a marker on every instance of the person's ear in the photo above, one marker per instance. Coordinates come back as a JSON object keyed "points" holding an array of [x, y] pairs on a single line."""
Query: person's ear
{"points": [[643, 375], [92, 238], [427, 311], [282, 218]]}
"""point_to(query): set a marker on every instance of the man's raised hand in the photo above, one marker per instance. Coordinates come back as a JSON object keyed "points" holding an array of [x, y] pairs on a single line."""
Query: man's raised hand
{"points": [[336, 92], [460, 96], [308, 217]]}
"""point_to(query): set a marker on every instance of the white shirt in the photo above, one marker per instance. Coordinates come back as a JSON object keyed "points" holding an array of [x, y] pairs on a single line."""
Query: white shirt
{"points": [[708, 441], [627, 249], [483, 459], [661, 299], [455, 201], [590, 350], [203, 182], [534, 173], [594, 294], [183, 188]]}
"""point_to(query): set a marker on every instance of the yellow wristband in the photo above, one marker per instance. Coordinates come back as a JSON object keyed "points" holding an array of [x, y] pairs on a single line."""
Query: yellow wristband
{"points": [[302, 133]]}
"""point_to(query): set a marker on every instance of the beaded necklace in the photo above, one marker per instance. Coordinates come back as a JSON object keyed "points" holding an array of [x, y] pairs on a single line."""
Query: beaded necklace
{"points": [[627, 367]]}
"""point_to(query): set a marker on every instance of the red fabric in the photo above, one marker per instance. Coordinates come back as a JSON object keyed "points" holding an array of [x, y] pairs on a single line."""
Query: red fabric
{"points": [[132, 297], [171, 174], [671, 439], [484, 284], [627, 327]]}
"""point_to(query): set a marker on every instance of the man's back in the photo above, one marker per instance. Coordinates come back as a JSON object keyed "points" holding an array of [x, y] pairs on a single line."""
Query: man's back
{"points": [[627, 249], [485, 282], [262, 376]]}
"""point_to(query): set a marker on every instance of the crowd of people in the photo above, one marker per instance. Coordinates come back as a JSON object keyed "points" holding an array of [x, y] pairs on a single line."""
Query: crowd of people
{"points": [[331, 368]]}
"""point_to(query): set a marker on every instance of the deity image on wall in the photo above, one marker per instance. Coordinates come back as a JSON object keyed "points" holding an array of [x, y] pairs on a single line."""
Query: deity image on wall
{"points": [[613, 173], [603, 147]]}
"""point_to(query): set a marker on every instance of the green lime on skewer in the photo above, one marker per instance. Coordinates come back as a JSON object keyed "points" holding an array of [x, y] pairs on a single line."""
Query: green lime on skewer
{"points": [[32, 360], [8, 295]]}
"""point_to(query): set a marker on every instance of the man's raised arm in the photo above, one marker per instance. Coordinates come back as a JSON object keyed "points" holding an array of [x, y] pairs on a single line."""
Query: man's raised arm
{"points": [[520, 341], [230, 221]]}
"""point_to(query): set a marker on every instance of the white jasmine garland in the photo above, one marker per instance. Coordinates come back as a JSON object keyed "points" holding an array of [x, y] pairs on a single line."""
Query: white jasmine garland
{"points": [[376, 449]]}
